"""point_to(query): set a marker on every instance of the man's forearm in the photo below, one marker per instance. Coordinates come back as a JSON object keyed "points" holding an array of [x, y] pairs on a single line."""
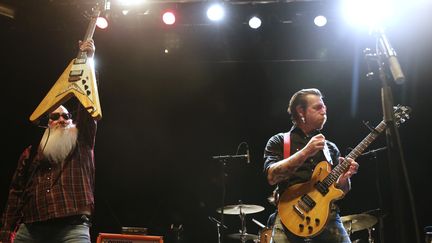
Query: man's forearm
{"points": [[283, 169]]}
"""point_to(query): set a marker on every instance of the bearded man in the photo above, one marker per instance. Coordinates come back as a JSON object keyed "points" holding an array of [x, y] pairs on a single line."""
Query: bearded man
{"points": [[51, 197]]}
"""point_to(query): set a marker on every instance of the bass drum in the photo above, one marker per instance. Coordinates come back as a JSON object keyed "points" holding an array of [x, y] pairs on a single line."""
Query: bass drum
{"points": [[265, 235]]}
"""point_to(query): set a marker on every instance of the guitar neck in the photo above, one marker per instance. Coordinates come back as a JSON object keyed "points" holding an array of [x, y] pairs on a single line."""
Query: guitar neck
{"points": [[89, 33], [358, 150]]}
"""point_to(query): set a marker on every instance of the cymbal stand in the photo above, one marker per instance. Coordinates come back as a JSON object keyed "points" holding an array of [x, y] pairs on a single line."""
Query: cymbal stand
{"points": [[243, 226], [350, 228], [370, 238]]}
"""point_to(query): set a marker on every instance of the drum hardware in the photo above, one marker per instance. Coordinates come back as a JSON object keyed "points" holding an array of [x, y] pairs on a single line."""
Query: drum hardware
{"points": [[357, 222], [243, 237], [265, 234], [241, 210], [258, 223], [218, 225]]}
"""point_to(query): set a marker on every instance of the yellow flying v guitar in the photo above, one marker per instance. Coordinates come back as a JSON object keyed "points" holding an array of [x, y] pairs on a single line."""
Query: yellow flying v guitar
{"points": [[304, 208], [78, 80]]}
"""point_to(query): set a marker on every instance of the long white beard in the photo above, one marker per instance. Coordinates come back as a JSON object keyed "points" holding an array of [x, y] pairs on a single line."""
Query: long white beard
{"points": [[61, 141]]}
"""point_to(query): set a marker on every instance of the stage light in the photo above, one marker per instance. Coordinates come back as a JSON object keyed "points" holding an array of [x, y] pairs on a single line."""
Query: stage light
{"points": [[125, 12], [367, 13], [130, 2], [168, 18], [320, 20], [215, 12], [101, 22], [254, 22]]}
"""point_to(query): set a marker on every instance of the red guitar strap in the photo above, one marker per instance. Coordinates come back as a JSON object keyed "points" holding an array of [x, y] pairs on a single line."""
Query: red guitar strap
{"points": [[287, 145]]}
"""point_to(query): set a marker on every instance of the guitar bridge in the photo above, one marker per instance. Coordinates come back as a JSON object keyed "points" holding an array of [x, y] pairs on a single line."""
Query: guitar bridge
{"points": [[298, 211]]}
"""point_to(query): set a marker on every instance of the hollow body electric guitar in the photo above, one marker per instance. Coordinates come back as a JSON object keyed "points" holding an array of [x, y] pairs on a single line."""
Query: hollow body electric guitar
{"points": [[78, 80], [304, 208]]}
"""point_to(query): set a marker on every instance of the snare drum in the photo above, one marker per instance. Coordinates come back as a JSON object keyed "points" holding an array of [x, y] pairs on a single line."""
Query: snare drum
{"points": [[265, 235]]}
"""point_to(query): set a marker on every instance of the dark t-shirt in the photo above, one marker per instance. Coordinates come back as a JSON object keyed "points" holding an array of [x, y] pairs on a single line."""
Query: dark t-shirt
{"points": [[274, 152]]}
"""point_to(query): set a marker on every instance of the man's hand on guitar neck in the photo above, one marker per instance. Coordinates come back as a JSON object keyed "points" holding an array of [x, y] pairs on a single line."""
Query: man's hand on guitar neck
{"points": [[87, 46], [343, 181]]}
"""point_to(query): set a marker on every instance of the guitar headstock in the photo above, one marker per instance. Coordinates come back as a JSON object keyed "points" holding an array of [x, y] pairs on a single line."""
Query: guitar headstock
{"points": [[401, 113]]}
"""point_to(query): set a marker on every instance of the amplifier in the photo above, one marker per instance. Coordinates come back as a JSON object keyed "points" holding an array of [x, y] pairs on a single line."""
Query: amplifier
{"points": [[122, 238]]}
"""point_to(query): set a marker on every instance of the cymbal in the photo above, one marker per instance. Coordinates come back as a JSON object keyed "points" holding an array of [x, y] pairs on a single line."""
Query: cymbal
{"points": [[357, 222], [245, 236], [240, 208]]}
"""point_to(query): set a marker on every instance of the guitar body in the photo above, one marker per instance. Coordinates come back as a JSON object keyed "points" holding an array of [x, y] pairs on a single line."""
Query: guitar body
{"points": [[79, 80], [307, 216]]}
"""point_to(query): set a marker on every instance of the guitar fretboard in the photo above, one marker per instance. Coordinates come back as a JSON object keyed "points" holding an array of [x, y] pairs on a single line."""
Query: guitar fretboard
{"points": [[82, 55], [358, 150]]}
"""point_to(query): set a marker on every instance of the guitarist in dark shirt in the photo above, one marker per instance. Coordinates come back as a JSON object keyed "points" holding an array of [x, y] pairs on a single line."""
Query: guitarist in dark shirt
{"points": [[307, 147]]}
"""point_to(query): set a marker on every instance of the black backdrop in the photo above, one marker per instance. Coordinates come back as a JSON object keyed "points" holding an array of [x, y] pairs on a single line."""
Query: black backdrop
{"points": [[166, 115]]}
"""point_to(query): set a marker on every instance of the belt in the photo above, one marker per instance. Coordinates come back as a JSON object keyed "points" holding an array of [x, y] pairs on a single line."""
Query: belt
{"points": [[69, 220]]}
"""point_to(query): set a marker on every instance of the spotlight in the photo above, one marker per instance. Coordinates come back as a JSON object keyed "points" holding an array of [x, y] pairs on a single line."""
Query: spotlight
{"points": [[101, 22], [320, 20], [215, 12], [168, 18], [368, 13], [130, 2], [254, 22]]}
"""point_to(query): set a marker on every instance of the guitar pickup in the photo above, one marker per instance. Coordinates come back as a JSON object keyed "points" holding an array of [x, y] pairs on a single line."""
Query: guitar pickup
{"points": [[74, 73], [80, 60], [321, 188], [308, 201]]}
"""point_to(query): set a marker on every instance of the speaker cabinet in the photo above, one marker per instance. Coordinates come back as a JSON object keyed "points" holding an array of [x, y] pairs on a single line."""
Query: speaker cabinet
{"points": [[122, 238]]}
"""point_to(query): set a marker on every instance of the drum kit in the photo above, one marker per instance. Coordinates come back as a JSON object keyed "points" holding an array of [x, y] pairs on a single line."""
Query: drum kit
{"points": [[357, 222], [241, 210], [352, 223]]}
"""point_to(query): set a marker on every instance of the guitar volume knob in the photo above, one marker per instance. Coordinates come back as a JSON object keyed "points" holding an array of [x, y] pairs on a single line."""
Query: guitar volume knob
{"points": [[301, 227]]}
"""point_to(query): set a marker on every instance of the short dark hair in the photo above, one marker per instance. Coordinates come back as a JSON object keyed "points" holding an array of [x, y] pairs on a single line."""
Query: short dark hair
{"points": [[299, 99]]}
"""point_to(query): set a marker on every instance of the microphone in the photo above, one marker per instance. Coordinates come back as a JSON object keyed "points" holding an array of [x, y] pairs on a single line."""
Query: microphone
{"points": [[393, 62], [247, 155]]}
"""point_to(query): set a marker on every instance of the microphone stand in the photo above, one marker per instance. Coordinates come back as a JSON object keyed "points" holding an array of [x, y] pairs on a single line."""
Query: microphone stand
{"points": [[395, 153], [223, 159]]}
